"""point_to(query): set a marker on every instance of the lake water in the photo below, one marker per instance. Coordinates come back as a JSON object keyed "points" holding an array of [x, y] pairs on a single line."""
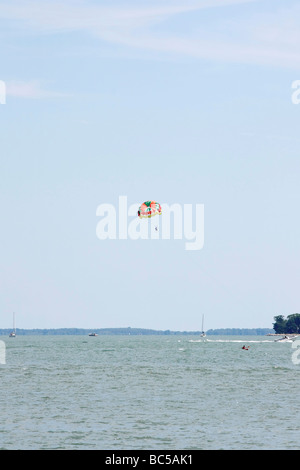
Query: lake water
{"points": [[148, 392]]}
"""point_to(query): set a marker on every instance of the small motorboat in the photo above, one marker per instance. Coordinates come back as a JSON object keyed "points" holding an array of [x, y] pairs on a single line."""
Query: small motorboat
{"points": [[93, 334], [285, 339]]}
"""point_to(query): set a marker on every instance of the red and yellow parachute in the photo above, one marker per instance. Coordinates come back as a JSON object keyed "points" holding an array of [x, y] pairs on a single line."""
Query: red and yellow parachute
{"points": [[149, 209]]}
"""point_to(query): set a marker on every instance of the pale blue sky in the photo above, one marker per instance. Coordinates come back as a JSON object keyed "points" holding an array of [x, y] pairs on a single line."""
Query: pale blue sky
{"points": [[181, 102]]}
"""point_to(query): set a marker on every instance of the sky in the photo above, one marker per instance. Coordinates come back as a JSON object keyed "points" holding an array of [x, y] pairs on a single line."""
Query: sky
{"points": [[178, 102]]}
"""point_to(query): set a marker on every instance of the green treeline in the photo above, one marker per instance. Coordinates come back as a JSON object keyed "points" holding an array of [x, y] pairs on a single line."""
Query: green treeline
{"points": [[290, 325]]}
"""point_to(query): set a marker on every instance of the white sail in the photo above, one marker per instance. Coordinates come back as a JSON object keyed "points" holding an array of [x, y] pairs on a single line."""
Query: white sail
{"points": [[203, 332], [13, 333]]}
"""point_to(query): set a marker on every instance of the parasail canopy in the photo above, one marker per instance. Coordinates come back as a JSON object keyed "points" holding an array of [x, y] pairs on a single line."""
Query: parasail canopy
{"points": [[149, 209]]}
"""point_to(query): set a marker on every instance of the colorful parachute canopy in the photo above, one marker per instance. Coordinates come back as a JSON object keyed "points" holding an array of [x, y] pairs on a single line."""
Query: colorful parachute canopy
{"points": [[149, 209]]}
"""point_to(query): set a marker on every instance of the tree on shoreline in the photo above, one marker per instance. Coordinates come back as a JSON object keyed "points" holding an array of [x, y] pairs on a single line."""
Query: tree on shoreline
{"points": [[288, 325]]}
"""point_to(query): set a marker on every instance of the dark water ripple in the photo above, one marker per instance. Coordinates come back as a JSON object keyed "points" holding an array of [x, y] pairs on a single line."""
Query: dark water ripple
{"points": [[148, 393]]}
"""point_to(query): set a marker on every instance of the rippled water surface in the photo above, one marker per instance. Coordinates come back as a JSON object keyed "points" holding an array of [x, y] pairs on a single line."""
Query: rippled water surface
{"points": [[148, 392]]}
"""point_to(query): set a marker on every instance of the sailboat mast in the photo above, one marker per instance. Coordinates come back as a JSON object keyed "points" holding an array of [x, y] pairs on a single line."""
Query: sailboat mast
{"points": [[203, 333], [13, 333]]}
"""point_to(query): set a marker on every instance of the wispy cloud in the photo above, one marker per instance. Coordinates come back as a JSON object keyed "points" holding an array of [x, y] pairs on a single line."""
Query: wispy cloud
{"points": [[76, 15], [271, 38], [32, 89]]}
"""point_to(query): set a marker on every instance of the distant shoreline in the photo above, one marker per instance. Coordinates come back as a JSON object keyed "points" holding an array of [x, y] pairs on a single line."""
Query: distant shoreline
{"points": [[136, 331]]}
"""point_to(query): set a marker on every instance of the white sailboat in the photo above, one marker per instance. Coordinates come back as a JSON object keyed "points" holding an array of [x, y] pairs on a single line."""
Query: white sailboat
{"points": [[12, 334], [203, 335]]}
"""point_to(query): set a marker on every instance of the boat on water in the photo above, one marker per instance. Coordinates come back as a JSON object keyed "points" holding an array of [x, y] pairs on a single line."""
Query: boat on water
{"points": [[93, 334], [12, 334], [203, 334], [285, 339]]}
